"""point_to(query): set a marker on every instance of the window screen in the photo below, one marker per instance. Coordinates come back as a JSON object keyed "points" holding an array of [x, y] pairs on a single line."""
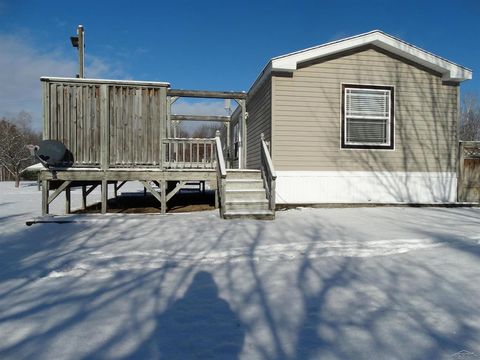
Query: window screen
{"points": [[367, 117]]}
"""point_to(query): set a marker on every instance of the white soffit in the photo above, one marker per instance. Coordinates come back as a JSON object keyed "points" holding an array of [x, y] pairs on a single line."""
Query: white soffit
{"points": [[449, 70]]}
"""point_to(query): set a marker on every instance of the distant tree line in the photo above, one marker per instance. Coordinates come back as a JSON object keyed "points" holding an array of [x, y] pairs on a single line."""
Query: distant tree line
{"points": [[201, 132], [15, 134], [470, 117]]}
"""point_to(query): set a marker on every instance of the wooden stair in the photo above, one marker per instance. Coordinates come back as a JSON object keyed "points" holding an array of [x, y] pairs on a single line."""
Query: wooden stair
{"points": [[245, 196]]}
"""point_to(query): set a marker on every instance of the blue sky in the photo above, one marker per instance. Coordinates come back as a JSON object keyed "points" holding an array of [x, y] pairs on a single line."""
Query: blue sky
{"points": [[212, 45]]}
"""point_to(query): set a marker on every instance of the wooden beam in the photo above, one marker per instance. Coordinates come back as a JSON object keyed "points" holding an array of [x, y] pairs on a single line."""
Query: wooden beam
{"points": [[104, 196], [163, 196], [199, 118], [45, 190], [68, 203], [91, 189], [91, 175], [58, 191], [121, 184], [152, 191], [175, 190], [84, 197], [207, 94]]}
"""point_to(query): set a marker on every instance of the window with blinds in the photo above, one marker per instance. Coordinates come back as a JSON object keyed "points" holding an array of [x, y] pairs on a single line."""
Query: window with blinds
{"points": [[367, 117]]}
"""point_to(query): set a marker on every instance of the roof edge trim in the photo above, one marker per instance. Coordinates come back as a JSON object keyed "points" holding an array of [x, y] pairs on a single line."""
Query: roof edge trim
{"points": [[449, 70]]}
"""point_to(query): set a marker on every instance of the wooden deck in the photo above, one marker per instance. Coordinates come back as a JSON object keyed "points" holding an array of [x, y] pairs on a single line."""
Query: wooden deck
{"points": [[120, 131], [169, 181]]}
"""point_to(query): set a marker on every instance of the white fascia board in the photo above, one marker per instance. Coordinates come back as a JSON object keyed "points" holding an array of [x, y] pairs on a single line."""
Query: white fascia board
{"points": [[261, 78], [450, 71]]}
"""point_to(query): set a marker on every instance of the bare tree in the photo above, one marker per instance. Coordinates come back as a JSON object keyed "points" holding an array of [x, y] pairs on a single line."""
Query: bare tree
{"points": [[15, 135], [470, 117], [207, 130]]}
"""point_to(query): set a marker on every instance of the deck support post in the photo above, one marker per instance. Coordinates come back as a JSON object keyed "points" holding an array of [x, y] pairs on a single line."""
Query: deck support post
{"points": [[45, 191], [216, 199], [163, 202], [104, 196], [174, 190], [84, 197], [68, 197], [115, 189]]}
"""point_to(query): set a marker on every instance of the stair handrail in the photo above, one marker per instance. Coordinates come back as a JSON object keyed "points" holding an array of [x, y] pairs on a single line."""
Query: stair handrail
{"points": [[221, 168], [268, 172], [221, 172]]}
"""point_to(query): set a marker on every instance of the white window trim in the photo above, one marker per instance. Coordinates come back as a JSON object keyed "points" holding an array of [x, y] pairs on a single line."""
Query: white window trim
{"points": [[344, 145]]}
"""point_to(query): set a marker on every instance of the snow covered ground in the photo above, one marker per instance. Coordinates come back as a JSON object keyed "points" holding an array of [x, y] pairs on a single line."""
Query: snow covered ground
{"points": [[353, 283]]}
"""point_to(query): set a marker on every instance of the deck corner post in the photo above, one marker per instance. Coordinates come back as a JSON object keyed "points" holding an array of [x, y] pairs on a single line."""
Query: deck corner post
{"points": [[45, 191], [84, 197], [104, 127], [68, 203], [104, 196], [163, 194]]}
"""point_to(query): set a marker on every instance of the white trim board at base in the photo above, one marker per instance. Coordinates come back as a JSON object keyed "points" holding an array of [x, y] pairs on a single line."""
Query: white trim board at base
{"points": [[317, 187]]}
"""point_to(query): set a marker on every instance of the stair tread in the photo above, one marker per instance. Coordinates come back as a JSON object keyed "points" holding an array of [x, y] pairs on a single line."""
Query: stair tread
{"points": [[243, 212], [246, 201], [244, 180], [244, 190], [243, 171]]}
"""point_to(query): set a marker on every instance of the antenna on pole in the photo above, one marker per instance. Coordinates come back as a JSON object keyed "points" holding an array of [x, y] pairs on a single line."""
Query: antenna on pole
{"points": [[79, 43]]}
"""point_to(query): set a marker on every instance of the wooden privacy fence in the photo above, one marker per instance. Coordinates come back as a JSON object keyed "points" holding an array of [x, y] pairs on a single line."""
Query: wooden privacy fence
{"points": [[469, 174], [106, 123]]}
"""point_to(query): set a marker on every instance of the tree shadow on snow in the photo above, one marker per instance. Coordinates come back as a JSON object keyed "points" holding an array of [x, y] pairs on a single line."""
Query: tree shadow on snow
{"points": [[200, 325]]}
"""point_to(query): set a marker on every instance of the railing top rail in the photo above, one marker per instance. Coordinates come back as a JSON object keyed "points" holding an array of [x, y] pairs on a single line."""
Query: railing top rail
{"points": [[470, 143], [188, 139], [267, 157], [104, 81], [220, 159]]}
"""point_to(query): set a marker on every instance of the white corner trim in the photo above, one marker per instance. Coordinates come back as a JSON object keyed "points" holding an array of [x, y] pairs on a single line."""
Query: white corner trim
{"points": [[449, 70]]}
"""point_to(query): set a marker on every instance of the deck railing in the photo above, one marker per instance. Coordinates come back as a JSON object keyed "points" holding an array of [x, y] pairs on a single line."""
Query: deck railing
{"points": [[189, 153], [268, 172], [221, 172], [106, 123]]}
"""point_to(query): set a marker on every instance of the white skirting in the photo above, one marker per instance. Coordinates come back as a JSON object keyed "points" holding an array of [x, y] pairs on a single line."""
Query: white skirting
{"points": [[316, 187]]}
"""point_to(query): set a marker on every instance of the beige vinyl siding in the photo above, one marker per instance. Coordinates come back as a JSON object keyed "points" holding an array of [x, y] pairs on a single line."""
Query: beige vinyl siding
{"points": [[307, 116], [259, 108]]}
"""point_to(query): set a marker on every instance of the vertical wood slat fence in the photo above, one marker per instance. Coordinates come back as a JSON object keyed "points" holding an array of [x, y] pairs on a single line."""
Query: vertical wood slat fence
{"points": [[469, 171], [106, 123], [72, 114]]}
